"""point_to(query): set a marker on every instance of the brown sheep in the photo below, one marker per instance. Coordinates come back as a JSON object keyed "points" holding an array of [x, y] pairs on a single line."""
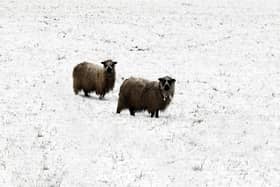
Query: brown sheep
{"points": [[91, 77], [138, 94]]}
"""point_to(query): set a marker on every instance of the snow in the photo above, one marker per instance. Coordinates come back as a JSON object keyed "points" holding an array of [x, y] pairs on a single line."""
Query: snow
{"points": [[221, 129]]}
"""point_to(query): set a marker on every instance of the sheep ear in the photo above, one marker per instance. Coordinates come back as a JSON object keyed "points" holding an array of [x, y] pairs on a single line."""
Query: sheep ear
{"points": [[103, 62], [115, 62], [173, 80], [160, 79]]}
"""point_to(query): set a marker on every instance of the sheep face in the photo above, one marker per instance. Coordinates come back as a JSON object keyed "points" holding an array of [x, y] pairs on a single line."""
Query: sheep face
{"points": [[167, 86], [109, 66]]}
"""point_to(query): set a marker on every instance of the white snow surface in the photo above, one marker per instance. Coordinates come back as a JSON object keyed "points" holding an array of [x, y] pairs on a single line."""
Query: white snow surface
{"points": [[221, 129]]}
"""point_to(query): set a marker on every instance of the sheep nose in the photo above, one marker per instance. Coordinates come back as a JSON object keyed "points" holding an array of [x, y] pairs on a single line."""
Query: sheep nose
{"points": [[109, 70], [166, 88]]}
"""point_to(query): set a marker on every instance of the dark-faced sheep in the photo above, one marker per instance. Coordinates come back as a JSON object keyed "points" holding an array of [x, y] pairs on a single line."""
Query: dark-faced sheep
{"points": [[138, 94], [91, 77]]}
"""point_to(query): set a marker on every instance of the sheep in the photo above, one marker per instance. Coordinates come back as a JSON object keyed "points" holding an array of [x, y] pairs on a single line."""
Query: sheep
{"points": [[91, 77], [138, 94]]}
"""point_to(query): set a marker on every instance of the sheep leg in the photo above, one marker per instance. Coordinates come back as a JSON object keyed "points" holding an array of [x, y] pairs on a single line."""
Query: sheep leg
{"points": [[86, 93], [157, 113], [152, 114], [102, 94], [76, 91], [131, 111], [118, 110], [75, 87], [120, 107]]}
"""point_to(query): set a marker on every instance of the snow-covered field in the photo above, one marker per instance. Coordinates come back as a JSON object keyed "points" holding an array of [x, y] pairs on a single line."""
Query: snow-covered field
{"points": [[222, 128]]}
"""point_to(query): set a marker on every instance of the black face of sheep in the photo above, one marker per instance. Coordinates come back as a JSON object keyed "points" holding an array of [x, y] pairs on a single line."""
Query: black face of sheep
{"points": [[92, 77], [166, 83], [138, 94], [109, 66]]}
